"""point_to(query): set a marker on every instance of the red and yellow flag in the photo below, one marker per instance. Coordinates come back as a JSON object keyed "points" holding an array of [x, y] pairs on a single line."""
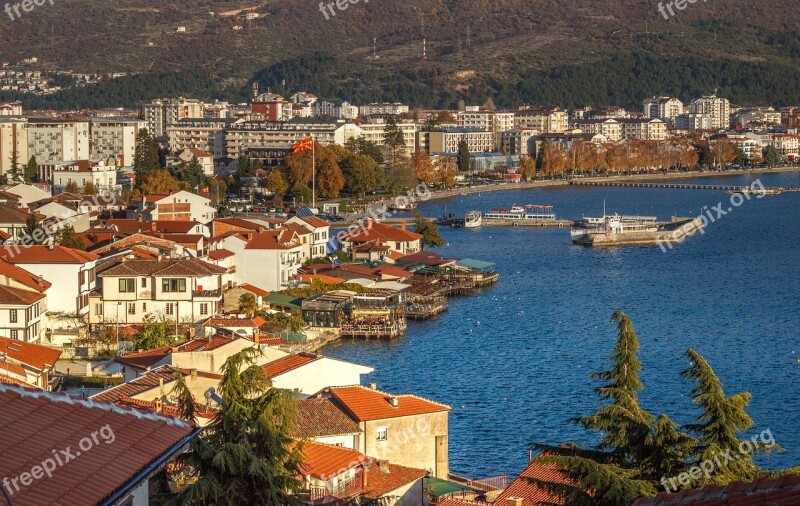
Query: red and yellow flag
{"points": [[303, 145]]}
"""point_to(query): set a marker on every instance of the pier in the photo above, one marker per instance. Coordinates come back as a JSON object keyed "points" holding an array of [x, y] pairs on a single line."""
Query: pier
{"points": [[683, 186]]}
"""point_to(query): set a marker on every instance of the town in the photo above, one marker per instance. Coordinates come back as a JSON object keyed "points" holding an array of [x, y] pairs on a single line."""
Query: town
{"points": [[170, 267]]}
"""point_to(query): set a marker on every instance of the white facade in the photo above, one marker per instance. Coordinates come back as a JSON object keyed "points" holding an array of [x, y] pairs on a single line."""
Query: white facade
{"points": [[23, 321], [51, 141], [718, 109], [664, 108], [159, 114], [13, 141], [385, 108], [320, 373], [267, 264], [102, 176], [114, 138]]}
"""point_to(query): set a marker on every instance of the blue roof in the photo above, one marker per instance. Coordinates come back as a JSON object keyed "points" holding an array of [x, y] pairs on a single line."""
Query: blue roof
{"points": [[471, 263]]}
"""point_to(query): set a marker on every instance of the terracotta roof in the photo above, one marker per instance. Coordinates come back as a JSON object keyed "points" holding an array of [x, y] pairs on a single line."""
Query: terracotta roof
{"points": [[173, 227], [39, 254], [385, 478], [326, 461], [10, 214], [319, 417], [315, 222], [240, 223], [328, 280], [274, 239], [18, 296], [8, 380], [254, 289], [286, 364], [379, 231], [34, 355], [10, 367], [533, 495], [366, 404], [297, 229], [172, 267], [220, 254], [234, 322], [781, 491], [24, 277], [38, 423], [146, 382], [145, 359]]}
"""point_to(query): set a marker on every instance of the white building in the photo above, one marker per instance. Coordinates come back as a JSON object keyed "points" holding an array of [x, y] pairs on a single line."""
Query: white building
{"points": [[205, 158], [270, 260], [666, 109], [447, 140], [184, 290], [23, 303], [174, 206], [71, 273], [11, 109], [718, 109], [384, 108], [13, 142], [610, 128], [53, 140], [114, 138], [519, 141], [308, 373], [648, 129], [547, 120], [159, 114], [81, 172], [320, 233]]}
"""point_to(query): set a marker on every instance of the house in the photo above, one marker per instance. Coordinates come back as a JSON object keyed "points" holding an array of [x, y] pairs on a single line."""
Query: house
{"points": [[153, 392], [124, 451], [403, 429], [26, 364], [522, 492], [12, 222], [232, 296], [320, 230], [173, 206], [400, 239], [270, 259], [244, 327], [204, 354], [304, 237], [205, 159], [309, 373], [320, 420], [71, 273], [27, 193], [333, 473], [82, 172], [182, 289]]}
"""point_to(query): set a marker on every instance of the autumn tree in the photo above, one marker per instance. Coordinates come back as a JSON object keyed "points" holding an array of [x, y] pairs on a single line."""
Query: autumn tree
{"points": [[361, 173], [276, 184], [424, 168], [554, 159], [724, 151], [527, 167], [446, 171], [160, 181], [71, 187]]}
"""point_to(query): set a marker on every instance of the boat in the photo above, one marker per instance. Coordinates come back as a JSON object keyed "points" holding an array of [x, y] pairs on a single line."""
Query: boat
{"points": [[756, 191], [521, 213], [621, 230], [404, 208], [473, 219]]}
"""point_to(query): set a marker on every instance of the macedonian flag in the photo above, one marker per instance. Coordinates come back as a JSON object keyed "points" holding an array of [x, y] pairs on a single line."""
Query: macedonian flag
{"points": [[303, 145]]}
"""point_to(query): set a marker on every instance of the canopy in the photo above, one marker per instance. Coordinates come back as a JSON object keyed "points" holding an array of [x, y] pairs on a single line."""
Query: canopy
{"points": [[478, 265]]}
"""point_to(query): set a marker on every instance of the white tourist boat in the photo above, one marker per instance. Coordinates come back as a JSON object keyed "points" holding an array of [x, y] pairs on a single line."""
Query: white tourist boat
{"points": [[473, 219], [521, 213]]}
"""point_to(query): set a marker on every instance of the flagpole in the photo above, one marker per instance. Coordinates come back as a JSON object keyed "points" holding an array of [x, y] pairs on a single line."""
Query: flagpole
{"points": [[313, 173]]}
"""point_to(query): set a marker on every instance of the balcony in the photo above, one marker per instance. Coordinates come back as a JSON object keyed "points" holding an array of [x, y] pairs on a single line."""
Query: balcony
{"points": [[345, 489], [207, 294]]}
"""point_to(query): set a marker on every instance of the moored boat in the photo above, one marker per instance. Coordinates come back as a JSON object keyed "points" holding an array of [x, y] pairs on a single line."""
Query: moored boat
{"points": [[473, 219], [521, 213], [618, 230]]}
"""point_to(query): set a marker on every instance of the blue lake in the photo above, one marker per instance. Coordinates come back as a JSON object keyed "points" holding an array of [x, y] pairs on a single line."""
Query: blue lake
{"points": [[514, 360]]}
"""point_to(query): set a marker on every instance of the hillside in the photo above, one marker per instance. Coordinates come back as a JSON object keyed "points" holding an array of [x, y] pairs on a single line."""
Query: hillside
{"points": [[571, 52]]}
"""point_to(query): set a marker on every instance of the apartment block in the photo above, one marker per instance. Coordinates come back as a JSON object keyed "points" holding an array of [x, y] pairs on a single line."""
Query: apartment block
{"points": [[114, 138], [55, 140], [547, 120], [718, 109], [161, 113], [13, 142], [666, 109]]}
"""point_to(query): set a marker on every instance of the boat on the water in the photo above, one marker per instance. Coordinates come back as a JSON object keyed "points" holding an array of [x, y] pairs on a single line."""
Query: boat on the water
{"points": [[521, 213], [403, 208], [620, 230], [473, 219]]}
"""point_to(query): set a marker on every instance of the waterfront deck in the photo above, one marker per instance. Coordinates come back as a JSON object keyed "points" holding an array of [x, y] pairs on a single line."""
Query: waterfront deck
{"points": [[374, 331], [684, 186]]}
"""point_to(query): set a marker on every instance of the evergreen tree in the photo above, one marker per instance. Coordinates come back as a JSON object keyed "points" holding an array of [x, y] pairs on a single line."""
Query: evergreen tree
{"points": [[427, 227], [156, 332], [146, 158], [66, 237], [243, 165], [393, 138], [771, 156], [247, 304], [463, 156], [722, 418], [706, 157], [193, 174], [540, 156], [738, 157], [32, 224], [32, 170], [246, 454], [361, 146]]}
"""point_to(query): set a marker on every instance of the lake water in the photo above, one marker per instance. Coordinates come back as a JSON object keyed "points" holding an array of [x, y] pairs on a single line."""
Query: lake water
{"points": [[514, 360]]}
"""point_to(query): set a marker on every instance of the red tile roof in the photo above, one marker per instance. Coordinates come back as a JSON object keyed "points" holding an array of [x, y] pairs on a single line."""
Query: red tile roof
{"points": [[376, 231], [24, 277], [18, 296], [327, 461], [220, 254], [781, 491], [254, 289], [34, 355], [385, 478], [533, 495], [12, 368], [172, 267], [147, 382], [319, 417], [328, 280], [286, 364], [35, 424], [315, 222], [38, 254], [220, 321], [366, 404], [280, 238]]}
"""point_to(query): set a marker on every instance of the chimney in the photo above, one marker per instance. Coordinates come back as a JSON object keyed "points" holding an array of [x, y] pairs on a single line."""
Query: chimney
{"points": [[161, 385], [194, 374], [394, 401], [404, 226], [373, 386], [514, 501]]}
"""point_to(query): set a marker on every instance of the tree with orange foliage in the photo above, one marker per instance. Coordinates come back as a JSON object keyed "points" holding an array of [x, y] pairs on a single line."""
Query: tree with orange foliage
{"points": [[424, 168]]}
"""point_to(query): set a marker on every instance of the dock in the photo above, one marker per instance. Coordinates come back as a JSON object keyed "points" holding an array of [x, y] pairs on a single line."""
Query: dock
{"points": [[683, 186]]}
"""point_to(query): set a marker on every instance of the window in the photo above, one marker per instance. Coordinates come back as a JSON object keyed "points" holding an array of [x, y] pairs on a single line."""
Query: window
{"points": [[12, 315], [144, 282], [131, 308], [144, 307], [382, 434], [204, 308], [14, 334], [170, 309], [127, 285], [98, 309], [173, 285]]}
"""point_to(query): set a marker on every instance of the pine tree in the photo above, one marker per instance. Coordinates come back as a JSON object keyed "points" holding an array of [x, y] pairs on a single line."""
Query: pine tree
{"points": [[721, 419], [463, 156], [146, 158], [32, 170], [246, 454], [427, 227]]}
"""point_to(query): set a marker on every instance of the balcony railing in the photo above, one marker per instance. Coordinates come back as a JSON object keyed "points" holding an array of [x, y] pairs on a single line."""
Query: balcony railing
{"points": [[345, 488]]}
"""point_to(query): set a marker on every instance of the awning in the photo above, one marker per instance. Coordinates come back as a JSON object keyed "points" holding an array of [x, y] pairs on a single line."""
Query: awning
{"points": [[438, 487], [279, 299], [478, 265]]}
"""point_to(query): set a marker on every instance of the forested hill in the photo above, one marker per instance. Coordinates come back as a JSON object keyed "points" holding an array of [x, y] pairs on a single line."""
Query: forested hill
{"points": [[576, 52]]}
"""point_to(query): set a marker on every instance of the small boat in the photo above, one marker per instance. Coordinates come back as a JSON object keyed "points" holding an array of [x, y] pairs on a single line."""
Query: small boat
{"points": [[473, 219], [403, 209]]}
